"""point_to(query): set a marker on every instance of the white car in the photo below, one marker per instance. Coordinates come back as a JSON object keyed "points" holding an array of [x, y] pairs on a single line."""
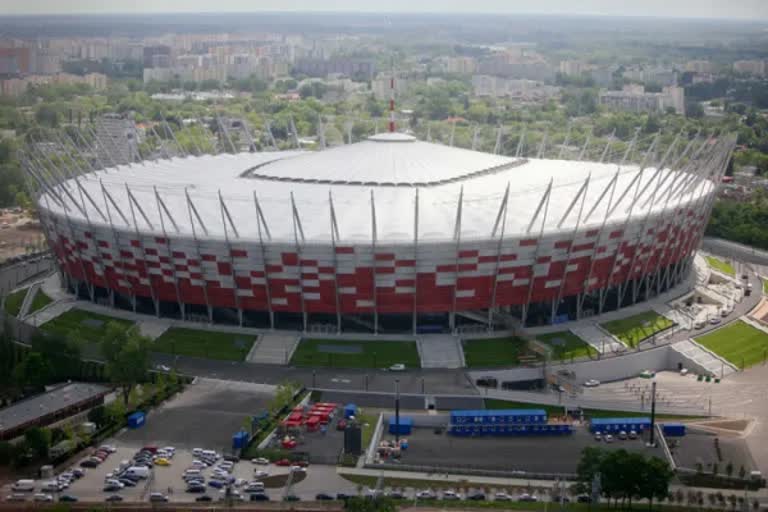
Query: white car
{"points": [[608, 438], [258, 473], [163, 368], [451, 496], [592, 383], [397, 367], [42, 497], [109, 448], [502, 496], [297, 469], [425, 494], [261, 461]]}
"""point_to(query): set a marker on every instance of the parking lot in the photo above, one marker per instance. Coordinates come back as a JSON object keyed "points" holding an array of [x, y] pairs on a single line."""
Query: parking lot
{"points": [[698, 447], [207, 414], [552, 455]]}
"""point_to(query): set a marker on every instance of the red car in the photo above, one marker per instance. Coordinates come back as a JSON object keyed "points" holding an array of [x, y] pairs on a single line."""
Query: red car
{"points": [[150, 448], [283, 462], [341, 425]]}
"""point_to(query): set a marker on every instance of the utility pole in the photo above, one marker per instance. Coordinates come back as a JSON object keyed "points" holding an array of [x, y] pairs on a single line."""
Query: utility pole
{"points": [[652, 441], [397, 412]]}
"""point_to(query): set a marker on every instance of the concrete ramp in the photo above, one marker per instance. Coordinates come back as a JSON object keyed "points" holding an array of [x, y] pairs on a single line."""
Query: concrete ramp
{"points": [[28, 299], [274, 348], [598, 339], [440, 351], [702, 360]]}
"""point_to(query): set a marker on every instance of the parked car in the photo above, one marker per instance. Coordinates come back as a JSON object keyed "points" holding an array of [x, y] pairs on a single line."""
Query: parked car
{"points": [[502, 496], [322, 496], [195, 488], [259, 497], [67, 498], [476, 496], [161, 461], [632, 434], [114, 497], [204, 498], [598, 436], [397, 367], [623, 435], [584, 498], [216, 484], [425, 494], [341, 424], [608, 438], [157, 497], [258, 474], [283, 462], [451, 496], [592, 383], [396, 495], [41, 497], [528, 498], [261, 461], [291, 497], [16, 497]]}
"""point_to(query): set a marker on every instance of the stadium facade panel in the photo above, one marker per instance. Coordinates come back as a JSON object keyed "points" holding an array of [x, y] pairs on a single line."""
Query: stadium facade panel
{"points": [[390, 225]]}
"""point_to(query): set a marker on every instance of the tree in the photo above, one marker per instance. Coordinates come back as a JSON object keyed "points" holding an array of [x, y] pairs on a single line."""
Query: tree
{"points": [[33, 371], [589, 465], [127, 357], [98, 415], [38, 440], [46, 115], [283, 397]]}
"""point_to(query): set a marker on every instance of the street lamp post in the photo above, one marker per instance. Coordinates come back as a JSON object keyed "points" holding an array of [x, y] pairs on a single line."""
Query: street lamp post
{"points": [[397, 411]]}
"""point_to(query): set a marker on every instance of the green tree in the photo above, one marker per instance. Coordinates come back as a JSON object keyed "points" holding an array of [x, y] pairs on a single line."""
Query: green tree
{"points": [[33, 371], [98, 415], [127, 357], [358, 504], [38, 440], [46, 115]]}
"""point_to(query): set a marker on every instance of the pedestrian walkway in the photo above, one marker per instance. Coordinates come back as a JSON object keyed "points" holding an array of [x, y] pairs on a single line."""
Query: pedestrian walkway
{"points": [[598, 339], [702, 358], [274, 348], [440, 351], [29, 297]]}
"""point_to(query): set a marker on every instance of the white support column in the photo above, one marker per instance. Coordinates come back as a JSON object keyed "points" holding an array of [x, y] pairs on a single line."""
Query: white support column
{"points": [[334, 238], [582, 193], [636, 183], [585, 146], [116, 239], [607, 146], [198, 255], [475, 137], [415, 262], [542, 146], [374, 237], [612, 188], [520, 144], [298, 232], [499, 247], [140, 240], [224, 218], [259, 221], [497, 147], [566, 141], [544, 203], [453, 134], [457, 249], [169, 253]]}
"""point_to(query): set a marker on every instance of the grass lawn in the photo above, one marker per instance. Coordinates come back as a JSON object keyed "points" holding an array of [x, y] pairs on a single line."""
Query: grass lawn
{"points": [[634, 329], [227, 346], [494, 352], [739, 343], [720, 265], [367, 431], [355, 354], [90, 326], [569, 347], [492, 403], [765, 286], [39, 302], [14, 301]]}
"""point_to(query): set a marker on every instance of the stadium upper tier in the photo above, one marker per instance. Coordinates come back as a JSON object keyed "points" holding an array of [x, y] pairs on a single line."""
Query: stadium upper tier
{"points": [[370, 187]]}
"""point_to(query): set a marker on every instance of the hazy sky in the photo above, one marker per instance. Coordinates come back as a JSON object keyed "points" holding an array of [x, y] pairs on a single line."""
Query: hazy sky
{"points": [[745, 9]]}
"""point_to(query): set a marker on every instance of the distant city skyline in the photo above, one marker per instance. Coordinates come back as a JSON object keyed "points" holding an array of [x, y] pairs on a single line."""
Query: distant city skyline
{"points": [[739, 9]]}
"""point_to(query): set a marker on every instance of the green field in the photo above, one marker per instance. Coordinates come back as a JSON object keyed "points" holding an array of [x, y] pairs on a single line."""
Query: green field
{"points": [[494, 352], [765, 286], [720, 265], [360, 354], [634, 329], [491, 403], [209, 344], [14, 301], [571, 346], [739, 343], [76, 320], [39, 302]]}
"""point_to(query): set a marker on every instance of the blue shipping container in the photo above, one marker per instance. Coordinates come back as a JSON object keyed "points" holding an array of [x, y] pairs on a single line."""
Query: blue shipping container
{"points": [[239, 440], [619, 424], [350, 410], [673, 429], [136, 419], [498, 417], [404, 428]]}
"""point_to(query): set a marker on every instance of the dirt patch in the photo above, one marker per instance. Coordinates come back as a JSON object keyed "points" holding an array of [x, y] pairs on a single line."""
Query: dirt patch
{"points": [[279, 481], [736, 426]]}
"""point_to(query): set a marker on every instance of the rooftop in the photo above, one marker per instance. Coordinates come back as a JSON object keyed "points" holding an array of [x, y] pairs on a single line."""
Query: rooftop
{"points": [[52, 401]]}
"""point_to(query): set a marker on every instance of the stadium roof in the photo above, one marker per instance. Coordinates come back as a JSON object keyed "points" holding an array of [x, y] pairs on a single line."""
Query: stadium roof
{"points": [[31, 409], [388, 168]]}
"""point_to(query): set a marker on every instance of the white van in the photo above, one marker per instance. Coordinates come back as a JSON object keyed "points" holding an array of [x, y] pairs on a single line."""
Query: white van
{"points": [[192, 473], [210, 454], [138, 471], [24, 485], [51, 486], [197, 452]]}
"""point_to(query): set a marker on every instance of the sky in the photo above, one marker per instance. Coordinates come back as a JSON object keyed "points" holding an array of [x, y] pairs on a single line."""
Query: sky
{"points": [[741, 9]]}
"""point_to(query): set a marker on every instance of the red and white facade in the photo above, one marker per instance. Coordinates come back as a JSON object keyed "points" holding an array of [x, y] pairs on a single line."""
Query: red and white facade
{"points": [[389, 226]]}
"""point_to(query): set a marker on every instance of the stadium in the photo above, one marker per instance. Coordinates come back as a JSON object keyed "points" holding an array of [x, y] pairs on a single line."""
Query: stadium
{"points": [[389, 234]]}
